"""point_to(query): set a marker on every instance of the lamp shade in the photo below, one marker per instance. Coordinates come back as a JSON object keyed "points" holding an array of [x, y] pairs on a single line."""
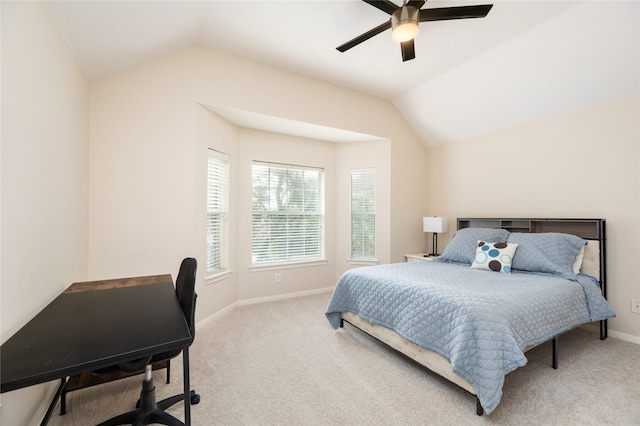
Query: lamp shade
{"points": [[435, 224]]}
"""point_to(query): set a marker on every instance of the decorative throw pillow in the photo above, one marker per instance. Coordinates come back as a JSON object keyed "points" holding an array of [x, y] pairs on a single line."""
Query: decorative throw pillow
{"points": [[462, 248], [495, 257]]}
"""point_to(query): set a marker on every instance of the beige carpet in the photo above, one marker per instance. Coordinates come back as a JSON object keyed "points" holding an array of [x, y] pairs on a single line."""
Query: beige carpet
{"points": [[281, 363]]}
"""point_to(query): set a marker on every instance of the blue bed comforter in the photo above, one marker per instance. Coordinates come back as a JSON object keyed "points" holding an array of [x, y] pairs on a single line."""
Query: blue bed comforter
{"points": [[480, 321]]}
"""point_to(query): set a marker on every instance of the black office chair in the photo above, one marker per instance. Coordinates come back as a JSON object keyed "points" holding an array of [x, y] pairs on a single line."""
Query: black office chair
{"points": [[148, 410]]}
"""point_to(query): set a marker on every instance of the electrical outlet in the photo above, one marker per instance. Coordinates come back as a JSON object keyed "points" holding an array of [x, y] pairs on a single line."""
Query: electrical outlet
{"points": [[278, 277], [635, 306]]}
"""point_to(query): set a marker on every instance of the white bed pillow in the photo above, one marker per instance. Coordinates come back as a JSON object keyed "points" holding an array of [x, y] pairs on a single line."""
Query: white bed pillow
{"points": [[591, 260], [577, 263]]}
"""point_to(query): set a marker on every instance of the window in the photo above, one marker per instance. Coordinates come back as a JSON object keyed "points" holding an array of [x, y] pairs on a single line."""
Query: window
{"points": [[217, 214], [363, 213], [287, 214]]}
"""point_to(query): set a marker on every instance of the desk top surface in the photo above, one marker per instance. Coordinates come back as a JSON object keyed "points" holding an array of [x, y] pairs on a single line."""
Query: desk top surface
{"points": [[94, 325]]}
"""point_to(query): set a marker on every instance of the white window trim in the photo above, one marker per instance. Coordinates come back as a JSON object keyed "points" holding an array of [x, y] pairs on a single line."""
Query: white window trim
{"points": [[362, 260], [351, 261], [288, 265], [226, 272], [217, 276], [296, 263]]}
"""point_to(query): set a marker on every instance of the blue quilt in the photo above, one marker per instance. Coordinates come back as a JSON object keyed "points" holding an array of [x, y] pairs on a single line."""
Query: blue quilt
{"points": [[481, 321]]}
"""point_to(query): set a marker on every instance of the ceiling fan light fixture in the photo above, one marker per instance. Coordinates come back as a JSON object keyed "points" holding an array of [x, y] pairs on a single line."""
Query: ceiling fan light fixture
{"points": [[404, 24]]}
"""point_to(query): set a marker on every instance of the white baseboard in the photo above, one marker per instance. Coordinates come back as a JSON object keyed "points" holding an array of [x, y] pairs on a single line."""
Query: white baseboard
{"points": [[215, 315], [625, 337], [46, 392], [284, 296], [612, 333], [244, 302]]}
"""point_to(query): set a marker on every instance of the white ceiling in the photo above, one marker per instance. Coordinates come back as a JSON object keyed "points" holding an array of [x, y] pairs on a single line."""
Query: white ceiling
{"points": [[526, 60]]}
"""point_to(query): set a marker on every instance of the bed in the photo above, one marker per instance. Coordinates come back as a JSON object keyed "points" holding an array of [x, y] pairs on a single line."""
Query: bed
{"points": [[500, 288]]}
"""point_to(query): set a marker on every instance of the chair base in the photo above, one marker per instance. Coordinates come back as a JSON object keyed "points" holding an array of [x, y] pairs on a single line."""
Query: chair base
{"points": [[88, 379], [150, 411]]}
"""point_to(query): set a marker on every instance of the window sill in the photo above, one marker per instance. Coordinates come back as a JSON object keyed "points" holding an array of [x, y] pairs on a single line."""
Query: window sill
{"points": [[218, 276], [369, 262], [287, 265]]}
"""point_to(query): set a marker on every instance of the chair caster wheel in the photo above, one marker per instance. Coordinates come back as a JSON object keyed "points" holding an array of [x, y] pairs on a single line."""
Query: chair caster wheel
{"points": [[195, 399]]}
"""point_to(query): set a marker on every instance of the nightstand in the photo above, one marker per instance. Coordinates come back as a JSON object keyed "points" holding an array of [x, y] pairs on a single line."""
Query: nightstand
{"points": [[418, 257]]}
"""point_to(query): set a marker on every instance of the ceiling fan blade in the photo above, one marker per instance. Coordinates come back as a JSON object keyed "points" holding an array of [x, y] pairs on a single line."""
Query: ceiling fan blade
{"points": [[456, 12], [408, 50], [384, 5], [416, 3], [365, 36]]}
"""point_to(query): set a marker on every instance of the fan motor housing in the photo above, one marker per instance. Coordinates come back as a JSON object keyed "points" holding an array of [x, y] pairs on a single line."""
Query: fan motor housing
{"points": [[406, 15]]}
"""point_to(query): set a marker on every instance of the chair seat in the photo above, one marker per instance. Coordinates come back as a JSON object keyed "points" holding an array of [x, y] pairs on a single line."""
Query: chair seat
{"points": [[129, 366]]}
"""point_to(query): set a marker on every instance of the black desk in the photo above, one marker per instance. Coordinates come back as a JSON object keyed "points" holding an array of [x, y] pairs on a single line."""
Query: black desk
{"points": [[97, 324]]}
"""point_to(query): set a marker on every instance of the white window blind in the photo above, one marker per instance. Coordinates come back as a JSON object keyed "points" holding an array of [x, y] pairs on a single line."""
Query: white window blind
{"points": [[363, 213], [287, 214], [217, 213]]}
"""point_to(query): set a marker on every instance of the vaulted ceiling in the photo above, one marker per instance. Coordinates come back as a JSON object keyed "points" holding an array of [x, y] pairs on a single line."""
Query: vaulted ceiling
{"points": [[526, 60]]}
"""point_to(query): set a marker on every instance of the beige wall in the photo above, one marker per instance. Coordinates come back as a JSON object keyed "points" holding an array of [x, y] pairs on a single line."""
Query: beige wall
{"points": [[272, 147], [45, 152], [376, 154], [580, 164], [214, 132], [149, 134]]}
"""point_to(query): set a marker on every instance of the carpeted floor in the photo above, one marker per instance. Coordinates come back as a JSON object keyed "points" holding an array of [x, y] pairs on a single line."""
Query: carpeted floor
{"points": [[281, 363]]}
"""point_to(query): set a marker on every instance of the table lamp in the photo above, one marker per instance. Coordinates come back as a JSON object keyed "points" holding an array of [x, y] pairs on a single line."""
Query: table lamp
{"points": [[436, 225]]}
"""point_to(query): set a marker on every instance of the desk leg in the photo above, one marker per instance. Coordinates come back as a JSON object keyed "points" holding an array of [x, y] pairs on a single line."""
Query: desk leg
{"points": [[47, 416], [187, 387]]}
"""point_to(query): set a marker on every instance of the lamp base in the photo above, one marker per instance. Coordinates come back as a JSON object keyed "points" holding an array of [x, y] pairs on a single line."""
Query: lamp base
{"points": [[435, 245]]}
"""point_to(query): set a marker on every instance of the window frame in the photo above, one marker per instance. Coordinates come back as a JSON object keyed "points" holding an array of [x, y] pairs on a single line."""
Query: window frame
{"points": [[221, 160], [296, 259], [368, 176]]}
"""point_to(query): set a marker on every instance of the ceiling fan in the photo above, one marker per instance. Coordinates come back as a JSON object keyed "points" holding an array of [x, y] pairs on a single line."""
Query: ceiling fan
{"points": [[404, 21]]}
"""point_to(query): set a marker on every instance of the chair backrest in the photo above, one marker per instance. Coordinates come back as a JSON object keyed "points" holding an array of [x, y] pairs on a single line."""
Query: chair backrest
{"points": [[185, 290]]}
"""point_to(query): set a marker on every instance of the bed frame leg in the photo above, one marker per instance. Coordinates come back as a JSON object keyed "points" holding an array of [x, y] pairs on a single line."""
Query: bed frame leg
{"points": [[479, 409], [554, 346], [603, 330], [341, 323]]}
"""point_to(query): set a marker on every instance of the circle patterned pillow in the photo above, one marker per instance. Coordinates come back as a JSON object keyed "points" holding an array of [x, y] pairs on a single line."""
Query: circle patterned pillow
{"points": [[495, 257]]}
